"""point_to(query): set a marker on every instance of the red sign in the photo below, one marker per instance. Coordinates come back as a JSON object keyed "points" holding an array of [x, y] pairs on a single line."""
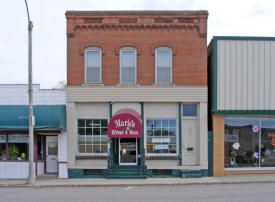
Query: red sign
{"points": [[125, 123]]}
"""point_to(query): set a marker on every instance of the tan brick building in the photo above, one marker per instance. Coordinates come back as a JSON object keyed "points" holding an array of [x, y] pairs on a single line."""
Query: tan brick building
{"points": [[153, 63]]}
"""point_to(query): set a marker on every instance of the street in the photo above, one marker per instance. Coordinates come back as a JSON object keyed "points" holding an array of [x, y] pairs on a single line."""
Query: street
{"points": [[219, 193]]}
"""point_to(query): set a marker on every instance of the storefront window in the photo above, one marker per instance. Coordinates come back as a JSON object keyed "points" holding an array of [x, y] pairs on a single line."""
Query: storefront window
{"points": [[249, 142], [3, 147], [18, 147], [92, 136], [161, 136]]}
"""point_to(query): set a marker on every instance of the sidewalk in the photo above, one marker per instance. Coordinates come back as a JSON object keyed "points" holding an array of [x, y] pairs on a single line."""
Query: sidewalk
{"points": [[228, 179]]}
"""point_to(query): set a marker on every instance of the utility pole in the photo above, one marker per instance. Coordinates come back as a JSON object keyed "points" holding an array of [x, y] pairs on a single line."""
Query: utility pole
{"points": [[31, 176]]}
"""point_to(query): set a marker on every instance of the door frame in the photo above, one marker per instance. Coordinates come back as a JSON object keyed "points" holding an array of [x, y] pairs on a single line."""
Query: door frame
{"points": [[127, 164], [46, 153]]}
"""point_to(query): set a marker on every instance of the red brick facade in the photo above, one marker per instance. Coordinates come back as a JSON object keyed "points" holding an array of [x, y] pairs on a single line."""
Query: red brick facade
{"points": [[185, 32]]}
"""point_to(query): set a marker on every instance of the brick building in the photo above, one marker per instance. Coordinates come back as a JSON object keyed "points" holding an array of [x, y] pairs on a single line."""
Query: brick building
{"points": [[144, 73]]}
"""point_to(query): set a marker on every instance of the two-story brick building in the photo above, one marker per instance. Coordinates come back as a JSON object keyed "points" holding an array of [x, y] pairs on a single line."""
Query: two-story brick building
{"points": [[137, 93]]}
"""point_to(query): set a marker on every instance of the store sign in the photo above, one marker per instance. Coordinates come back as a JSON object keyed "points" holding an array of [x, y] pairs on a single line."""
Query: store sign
{"points": [[231, 138], [161, 146], [125, 125], [160, 140], [272, 136]]}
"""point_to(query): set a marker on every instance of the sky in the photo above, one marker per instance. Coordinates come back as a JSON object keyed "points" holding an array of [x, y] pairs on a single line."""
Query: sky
{"points": [[226, 18]]}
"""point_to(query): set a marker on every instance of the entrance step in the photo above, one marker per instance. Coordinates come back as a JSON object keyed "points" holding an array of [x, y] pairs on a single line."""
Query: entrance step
{"points": [[126, 172]]}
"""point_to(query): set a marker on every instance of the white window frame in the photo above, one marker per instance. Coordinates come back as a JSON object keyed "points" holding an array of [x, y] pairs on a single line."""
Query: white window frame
{"points": [[90, 154], [120, 67], [156, 64], [162, 154], [91, 49]]}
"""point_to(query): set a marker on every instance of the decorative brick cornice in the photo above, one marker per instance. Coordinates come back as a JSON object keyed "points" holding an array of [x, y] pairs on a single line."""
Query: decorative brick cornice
{"points": [[137, 27]]}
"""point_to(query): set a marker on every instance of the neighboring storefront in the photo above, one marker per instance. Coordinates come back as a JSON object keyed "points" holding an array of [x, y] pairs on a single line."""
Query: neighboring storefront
{"points": [[50, 155], [137, 94], [242, 102]]}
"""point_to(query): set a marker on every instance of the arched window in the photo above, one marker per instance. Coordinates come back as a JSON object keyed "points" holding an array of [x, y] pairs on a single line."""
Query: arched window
{"points": [[163, 65], [93, 65], [128, 65]]}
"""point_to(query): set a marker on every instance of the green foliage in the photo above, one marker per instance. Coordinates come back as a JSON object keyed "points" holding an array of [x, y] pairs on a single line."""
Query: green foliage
{"points": [[13, 152]]}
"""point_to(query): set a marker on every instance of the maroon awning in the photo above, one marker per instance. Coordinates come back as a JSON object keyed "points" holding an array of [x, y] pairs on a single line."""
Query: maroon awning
{"points": [[126, 123]]}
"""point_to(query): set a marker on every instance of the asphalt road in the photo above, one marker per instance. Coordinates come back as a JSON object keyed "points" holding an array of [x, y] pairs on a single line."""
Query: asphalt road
{"points": [[194, 193]]}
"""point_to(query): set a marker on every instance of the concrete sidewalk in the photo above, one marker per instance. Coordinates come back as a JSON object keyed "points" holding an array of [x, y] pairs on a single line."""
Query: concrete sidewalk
{"points": [[228, 179]]}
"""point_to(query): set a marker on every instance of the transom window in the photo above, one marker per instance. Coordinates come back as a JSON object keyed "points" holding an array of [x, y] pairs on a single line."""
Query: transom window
{"points": [[128, 65], [92, 136], [161, 136], [93, 65], [163, 61]]}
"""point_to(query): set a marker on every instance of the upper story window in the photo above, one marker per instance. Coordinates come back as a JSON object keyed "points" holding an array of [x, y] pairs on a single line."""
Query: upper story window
{"points": [[92, 65], [128, 65], [163, 68]]}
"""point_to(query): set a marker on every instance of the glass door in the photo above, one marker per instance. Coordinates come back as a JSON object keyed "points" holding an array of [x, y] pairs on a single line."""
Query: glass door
{"points": [[128, 151]]}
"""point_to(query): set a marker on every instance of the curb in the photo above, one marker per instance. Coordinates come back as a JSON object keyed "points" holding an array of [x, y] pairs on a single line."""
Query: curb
{"points": [[134, 184]]}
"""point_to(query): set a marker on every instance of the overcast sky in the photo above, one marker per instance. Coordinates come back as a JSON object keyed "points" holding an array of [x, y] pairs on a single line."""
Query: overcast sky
{"points": [[228, 18]]}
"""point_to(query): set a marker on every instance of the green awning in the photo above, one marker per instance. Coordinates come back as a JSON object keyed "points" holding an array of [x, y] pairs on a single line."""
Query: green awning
{"points": [[15, 117]]}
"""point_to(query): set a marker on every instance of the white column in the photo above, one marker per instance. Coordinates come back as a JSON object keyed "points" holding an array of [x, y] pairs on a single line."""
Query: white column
{"points": [[71, 133]]}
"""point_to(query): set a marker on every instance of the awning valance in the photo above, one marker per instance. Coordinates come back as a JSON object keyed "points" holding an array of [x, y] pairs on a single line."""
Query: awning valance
{"points": [[15, 117]]}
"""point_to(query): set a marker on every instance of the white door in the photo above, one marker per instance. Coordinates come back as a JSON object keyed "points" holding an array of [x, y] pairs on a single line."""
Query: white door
{"points": [[190, 142], [51, 154], [127, 151]]}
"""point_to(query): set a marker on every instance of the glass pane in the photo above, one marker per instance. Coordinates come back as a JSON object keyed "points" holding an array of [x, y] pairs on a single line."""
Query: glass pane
{"points": [[149, 133], [81, 139], [103, 139], [96, 139], [52, 149], [89, 148], [93, 75], [96, 131], [104, 148], [163, 58], [81, 131], [127, 58], [89, 123], [96, 148], [18, 151], [268, 142], [89, 139], [128, 75], [164, 123], [157, 123], [104, 123], [81, 123], [189, 109], [241, 147], [173, 123], [96, 123], [149, 123], [93, 58], [173, 132], [172, 148], [163, 75], [3, 151], [89, 131], [104, 131], [81, 148]]}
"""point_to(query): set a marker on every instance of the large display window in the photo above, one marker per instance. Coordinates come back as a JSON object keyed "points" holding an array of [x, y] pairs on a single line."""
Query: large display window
{"points": [[249, 142]]}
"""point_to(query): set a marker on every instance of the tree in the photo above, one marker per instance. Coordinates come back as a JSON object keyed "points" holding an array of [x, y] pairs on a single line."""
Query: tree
{"points": [[60, 85]]}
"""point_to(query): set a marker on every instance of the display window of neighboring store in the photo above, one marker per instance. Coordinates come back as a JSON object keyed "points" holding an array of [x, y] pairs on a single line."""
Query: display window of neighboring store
{"points": [[161, 137], [18, 147], [249, 142], [92, 136]]}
